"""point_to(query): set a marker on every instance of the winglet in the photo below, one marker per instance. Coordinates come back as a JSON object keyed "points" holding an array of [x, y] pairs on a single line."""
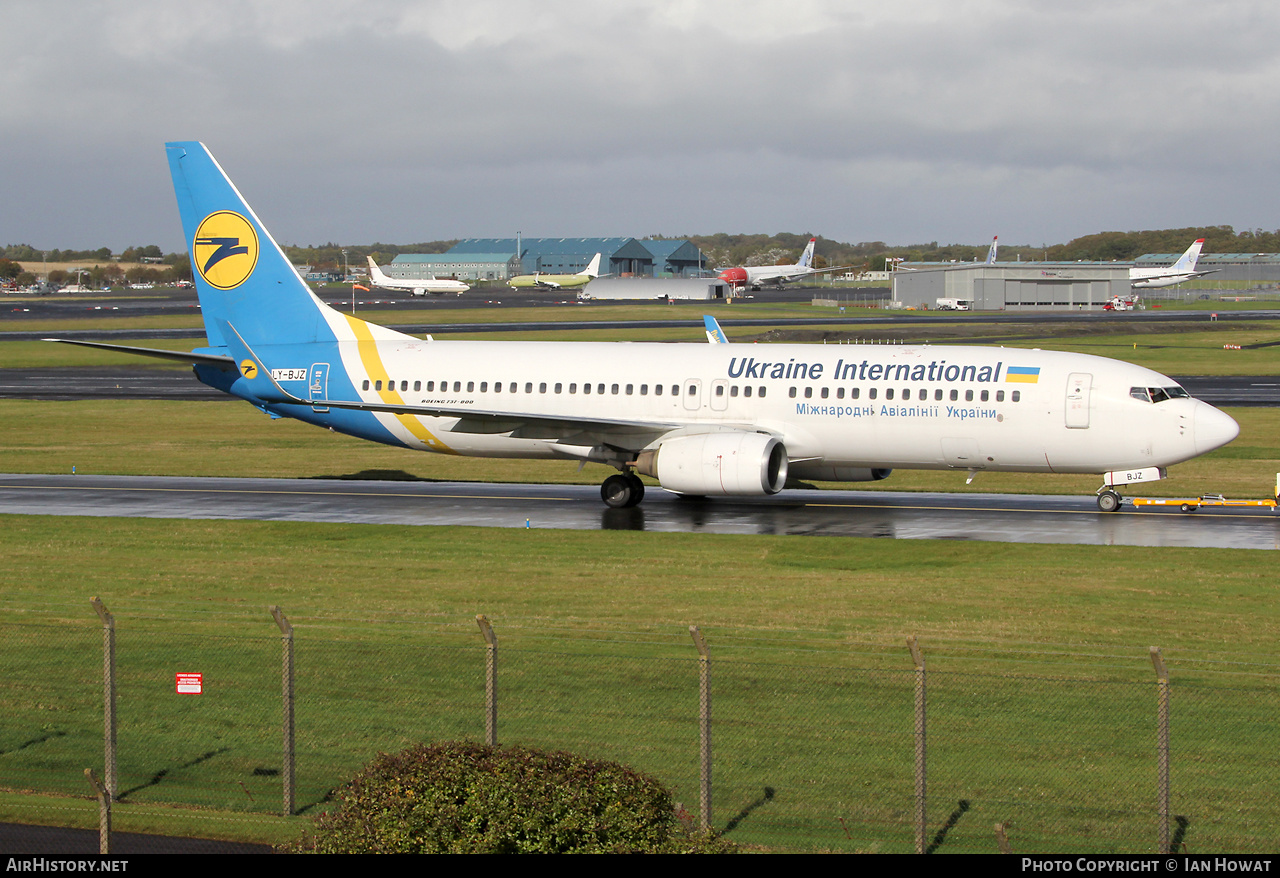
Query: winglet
{"points": [[715, 335]]}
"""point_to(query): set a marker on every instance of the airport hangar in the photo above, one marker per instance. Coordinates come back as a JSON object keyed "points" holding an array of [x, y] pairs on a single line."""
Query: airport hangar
{"points": [[1083, 286], [497, 259], [1012, 286]]}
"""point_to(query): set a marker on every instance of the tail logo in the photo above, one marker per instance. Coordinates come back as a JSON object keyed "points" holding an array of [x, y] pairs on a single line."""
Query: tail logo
{"points": [[249, 369], [225, 249]]}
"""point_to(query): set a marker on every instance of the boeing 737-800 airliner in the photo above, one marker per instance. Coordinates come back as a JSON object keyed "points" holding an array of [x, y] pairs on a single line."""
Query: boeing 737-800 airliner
{"points": [[416, 285], [703, 419]]}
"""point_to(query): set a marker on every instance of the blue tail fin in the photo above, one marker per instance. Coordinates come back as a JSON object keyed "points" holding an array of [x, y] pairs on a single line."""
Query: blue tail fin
{"points": [[242, 276]]}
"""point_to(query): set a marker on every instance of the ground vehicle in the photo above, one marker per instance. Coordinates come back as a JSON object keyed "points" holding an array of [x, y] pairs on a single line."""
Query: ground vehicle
{"points": [[953, 304]]}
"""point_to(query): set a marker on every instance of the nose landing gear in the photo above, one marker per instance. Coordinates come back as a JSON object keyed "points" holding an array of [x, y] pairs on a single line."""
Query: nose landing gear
{"points": [[1108, 499]]}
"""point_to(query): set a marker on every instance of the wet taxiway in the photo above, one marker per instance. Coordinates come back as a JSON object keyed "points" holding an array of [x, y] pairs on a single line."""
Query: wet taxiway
{"points": [[980, 517]]}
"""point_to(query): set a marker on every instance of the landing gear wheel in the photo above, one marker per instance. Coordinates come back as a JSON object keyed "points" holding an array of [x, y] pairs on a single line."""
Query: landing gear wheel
{"points": [[1108, 501], [622, 490], [637, 487]]}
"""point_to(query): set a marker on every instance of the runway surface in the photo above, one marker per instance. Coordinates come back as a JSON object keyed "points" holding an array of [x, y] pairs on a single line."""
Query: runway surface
{"points": [[979, 517]]}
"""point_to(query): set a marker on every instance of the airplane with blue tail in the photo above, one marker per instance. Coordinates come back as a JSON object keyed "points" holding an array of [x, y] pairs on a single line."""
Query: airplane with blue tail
{"points": [[715, 419]]}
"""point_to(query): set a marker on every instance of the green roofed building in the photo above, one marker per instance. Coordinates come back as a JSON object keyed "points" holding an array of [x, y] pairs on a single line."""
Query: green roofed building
{"points": [[675, 257], [462, 265], [620, 257]]}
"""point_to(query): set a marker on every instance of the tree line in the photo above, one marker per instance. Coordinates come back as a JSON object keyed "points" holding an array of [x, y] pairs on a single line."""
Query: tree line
{"points": [[176, 267]]}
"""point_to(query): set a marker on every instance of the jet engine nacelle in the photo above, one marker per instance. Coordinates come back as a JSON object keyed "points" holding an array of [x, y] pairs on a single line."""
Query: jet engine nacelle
{"points": [[718, 464]]}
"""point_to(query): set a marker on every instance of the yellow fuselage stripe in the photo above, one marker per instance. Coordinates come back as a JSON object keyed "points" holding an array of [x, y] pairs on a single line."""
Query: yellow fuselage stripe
{"points": [[371, 359]]}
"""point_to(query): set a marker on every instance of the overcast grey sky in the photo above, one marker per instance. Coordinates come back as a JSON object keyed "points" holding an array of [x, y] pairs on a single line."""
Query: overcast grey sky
{"points": [[390, 120]]}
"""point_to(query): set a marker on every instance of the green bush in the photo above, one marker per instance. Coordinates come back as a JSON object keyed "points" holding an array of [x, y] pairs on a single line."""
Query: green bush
{"points": [[469, 798]]}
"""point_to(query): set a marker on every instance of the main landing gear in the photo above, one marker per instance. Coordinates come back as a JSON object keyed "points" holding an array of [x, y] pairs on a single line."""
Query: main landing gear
{"points": [[1108, 499], [622, 490]]}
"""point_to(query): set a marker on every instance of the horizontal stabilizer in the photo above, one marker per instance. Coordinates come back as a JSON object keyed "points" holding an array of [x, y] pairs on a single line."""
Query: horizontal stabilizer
{"points": [[179, 356]]}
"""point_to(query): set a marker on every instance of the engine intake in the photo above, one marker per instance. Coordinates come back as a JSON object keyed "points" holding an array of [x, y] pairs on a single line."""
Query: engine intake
{"points": [[718, 464]]}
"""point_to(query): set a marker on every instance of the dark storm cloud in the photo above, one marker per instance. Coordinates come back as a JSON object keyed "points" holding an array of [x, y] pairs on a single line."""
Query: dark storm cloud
{"points": [[407, 121]]}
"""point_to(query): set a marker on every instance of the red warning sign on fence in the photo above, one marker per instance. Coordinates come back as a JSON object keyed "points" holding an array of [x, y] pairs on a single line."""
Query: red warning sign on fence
{"points": [[188, 684]]}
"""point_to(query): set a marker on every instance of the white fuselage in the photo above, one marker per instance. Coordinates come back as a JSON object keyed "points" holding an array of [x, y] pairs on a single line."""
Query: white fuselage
{"points": [[833, 406], [422, 285], [1156, 280]]}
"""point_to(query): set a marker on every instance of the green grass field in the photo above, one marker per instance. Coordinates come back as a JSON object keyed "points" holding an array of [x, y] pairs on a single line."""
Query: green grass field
{"points": [[1041, 713], [1042, 694]]}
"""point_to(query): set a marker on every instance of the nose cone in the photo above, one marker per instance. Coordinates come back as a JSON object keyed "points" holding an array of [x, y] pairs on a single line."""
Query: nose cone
{"points": [[1213, 429]]}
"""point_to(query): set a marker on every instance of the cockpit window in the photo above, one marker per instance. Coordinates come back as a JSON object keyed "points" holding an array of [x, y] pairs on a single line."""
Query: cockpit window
{"points": [[1158, 394]]}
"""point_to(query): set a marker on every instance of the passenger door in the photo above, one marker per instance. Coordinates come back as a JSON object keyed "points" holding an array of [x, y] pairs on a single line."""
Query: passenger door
{"points": [[1078, 387]]}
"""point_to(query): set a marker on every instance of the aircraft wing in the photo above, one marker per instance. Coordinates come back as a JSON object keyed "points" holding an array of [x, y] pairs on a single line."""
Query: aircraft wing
{"points": [[829, 270], [550, 284], [486, 421], [791, 276]]}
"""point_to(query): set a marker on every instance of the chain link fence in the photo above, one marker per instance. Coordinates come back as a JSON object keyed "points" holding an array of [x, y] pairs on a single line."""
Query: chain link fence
{"points": [[812, 747]]}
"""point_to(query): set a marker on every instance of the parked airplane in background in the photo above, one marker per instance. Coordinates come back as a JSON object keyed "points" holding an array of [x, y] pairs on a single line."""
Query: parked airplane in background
{"points": [[558, 281], [702, 419], [1182, 270], [416, 285], [757, 276]]}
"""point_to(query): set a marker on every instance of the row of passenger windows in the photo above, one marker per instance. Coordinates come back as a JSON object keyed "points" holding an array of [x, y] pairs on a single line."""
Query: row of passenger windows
{"points": [[542, 387], [921, 394], [720, 390]]}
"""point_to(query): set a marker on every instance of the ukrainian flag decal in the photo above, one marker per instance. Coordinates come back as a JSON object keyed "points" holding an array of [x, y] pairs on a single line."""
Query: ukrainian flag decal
{"points": [[1022, 375], [225, 249]]}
